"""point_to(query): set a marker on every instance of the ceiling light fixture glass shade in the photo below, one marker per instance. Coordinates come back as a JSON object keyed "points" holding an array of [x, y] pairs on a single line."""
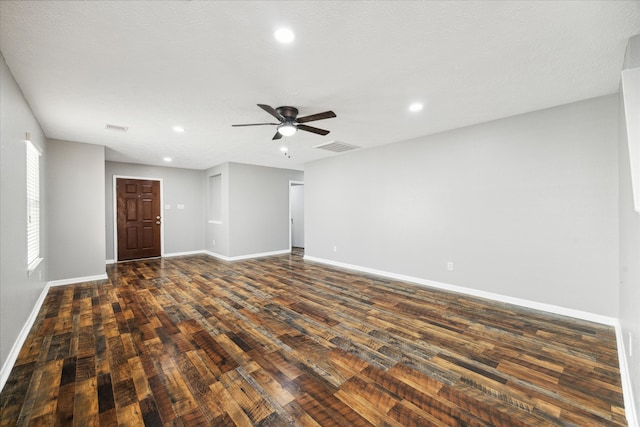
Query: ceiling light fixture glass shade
{"points": [[287, 129]]}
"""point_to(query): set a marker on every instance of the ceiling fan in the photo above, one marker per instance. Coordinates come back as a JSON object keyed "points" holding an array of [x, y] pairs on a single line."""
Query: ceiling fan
{"points": [[289, 122]]}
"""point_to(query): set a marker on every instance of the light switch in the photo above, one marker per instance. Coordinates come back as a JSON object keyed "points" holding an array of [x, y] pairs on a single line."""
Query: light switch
{"points": [[180, 206], [167, 207]]}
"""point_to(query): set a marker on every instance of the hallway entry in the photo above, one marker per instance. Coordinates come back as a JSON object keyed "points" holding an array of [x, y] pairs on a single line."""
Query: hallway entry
{"points": [[296, 205]]}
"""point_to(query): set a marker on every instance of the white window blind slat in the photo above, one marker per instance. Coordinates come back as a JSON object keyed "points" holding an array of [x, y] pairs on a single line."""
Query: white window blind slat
{"points": [[33, 204]]}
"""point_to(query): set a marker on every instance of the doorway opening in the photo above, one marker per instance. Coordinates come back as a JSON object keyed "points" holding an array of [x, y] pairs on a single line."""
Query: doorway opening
{"points": [[296, 216], [138, 225]]}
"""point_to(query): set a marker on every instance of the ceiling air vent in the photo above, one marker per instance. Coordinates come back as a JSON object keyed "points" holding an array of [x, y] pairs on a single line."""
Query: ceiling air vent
{"points": [[116, 128], [336, 146]]}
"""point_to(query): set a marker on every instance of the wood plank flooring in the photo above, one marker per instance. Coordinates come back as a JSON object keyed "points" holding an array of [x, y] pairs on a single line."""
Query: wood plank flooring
{"points": [[193, 341]]}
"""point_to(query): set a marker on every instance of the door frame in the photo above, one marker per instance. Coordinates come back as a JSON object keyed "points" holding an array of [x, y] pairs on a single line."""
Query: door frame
{"points": [[291, 184], [115, 213]]}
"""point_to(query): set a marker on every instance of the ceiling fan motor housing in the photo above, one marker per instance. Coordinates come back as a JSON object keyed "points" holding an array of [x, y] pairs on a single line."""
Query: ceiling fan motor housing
{"points": [[288, 112]]}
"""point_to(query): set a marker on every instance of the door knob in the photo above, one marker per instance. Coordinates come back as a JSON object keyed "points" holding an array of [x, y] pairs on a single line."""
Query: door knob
{"points": [[158, 222], [158, 217]]}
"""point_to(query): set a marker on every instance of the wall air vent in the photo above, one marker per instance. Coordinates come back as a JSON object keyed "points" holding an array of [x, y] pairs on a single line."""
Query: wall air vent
{"points": [[116, 128], [336, 146]]}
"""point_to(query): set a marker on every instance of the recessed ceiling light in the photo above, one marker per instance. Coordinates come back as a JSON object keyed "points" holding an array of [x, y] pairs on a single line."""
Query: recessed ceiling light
{"points": [[415, 107], [167, 159], [284, 35], [178, 129]]}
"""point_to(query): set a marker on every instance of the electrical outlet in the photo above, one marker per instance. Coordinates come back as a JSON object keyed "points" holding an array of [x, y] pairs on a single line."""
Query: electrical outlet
{"points": [[450, 266], [214, 243], [335, 249]]}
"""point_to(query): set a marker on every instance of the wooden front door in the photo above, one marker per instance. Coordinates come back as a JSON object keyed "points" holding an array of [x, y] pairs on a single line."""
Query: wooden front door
{"points": [[138, 218]]}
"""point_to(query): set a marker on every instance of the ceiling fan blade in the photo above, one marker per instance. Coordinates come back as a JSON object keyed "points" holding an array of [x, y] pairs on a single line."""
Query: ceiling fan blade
{"points": [[319, 116], [278, 135], [313, 130], [271, 111], [256, 124]]}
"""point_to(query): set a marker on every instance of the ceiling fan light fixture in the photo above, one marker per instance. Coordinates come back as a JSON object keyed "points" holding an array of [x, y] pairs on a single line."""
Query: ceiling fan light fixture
{"points": [[290, 123], [287, 129]]}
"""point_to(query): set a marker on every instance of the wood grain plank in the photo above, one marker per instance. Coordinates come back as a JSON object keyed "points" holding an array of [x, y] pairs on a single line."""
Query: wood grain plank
{"points": [[275, 341]]}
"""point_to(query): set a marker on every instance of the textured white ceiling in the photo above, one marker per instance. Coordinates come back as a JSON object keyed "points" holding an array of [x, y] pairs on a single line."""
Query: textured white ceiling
{"points": [[205, 65]]}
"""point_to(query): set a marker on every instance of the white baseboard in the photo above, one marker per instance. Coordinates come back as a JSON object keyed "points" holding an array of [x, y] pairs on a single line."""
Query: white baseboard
{"points": [[629, 402], [73, 280], [22, 337], [627, 389], [169, 255], [173, 254], [217, 255], [584, 315], [249, 256], [26, 328]]}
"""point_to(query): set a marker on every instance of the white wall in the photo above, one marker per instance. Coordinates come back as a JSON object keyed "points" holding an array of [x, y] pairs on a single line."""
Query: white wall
{"points": [[254, 207], [18, 292], [183, 228], [629, 252], [75, 187], [524, 207], [255, 210], [259, 208]]}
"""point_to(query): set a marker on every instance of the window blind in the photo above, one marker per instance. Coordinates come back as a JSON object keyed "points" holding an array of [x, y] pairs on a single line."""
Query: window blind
{"points": [[33, 204]]}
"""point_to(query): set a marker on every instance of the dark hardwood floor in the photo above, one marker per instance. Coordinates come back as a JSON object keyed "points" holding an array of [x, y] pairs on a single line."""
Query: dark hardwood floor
{"points": [[194, 341]]}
